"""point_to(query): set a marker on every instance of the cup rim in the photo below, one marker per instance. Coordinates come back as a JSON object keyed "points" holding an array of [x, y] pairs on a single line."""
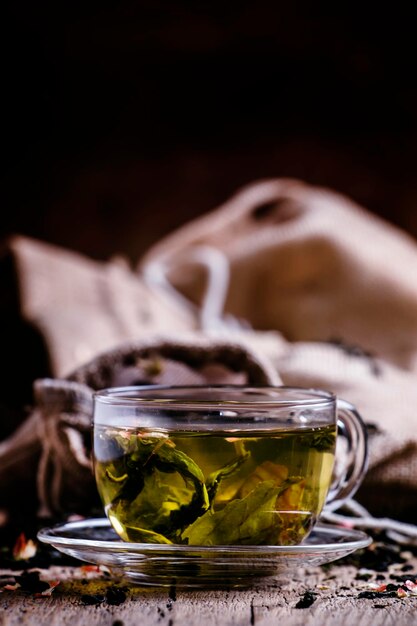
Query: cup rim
{"points": [[147, 396]]}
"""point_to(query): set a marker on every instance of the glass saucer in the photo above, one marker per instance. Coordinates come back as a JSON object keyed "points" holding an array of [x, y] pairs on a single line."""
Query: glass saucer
{"points": [[199, 567]]}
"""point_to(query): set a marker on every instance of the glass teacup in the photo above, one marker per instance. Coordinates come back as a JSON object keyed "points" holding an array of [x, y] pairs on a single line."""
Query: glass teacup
{"points": [[223, 465]]}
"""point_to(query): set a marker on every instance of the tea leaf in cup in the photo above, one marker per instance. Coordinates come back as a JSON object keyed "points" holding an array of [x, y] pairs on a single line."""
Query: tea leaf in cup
{"points": [[323, 442], [144, 494], [251, 520], [142, 535], [214, 479]]}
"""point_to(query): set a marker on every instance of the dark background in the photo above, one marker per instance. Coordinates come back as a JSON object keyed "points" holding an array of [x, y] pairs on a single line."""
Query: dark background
{"points": [[123, 120]]}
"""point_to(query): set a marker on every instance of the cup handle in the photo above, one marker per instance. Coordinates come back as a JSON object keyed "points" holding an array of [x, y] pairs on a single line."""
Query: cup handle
{"points": [[348, 474]]}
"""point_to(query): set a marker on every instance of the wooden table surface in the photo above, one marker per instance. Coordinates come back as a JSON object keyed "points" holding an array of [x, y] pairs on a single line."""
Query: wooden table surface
{"points": [[336, 602]]}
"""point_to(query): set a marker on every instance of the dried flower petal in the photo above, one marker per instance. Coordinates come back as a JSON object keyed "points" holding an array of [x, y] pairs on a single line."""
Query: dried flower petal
{"points": [[48, 592], [412, 587], [11, 587], [90, 568], [24, 549], [376, 587]]}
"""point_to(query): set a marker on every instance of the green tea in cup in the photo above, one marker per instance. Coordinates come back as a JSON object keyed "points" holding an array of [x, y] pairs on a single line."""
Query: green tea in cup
{"points": [[222, 465]]}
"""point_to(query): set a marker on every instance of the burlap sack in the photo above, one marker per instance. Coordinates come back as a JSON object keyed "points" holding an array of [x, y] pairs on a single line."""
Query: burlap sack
{"points": [[83, 307], [386, 397]]}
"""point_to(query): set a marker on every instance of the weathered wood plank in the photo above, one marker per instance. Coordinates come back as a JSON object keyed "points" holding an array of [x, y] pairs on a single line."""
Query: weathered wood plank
{"points": [[336, 604]]}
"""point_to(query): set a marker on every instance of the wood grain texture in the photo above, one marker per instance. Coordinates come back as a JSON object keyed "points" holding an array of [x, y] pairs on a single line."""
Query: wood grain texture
{"points": [[336, 604]]}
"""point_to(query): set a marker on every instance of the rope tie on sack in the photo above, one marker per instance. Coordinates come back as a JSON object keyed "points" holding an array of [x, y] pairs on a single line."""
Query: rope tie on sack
{"points": [[210, 315], [65, 408], [360, 517]]}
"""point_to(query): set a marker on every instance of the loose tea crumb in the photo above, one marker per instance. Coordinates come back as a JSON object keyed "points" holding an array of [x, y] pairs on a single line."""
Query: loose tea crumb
{"points": [[378, 557], [306, 601], [402, 578], [173, 593], [31, 583], [115, 595], [92, 599]]}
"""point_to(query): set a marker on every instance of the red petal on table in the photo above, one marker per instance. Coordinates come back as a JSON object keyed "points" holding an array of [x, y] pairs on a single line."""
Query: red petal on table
{"points": [[48, 592], [376, 587], [24, 549], [90, 568], [410, 585]]}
